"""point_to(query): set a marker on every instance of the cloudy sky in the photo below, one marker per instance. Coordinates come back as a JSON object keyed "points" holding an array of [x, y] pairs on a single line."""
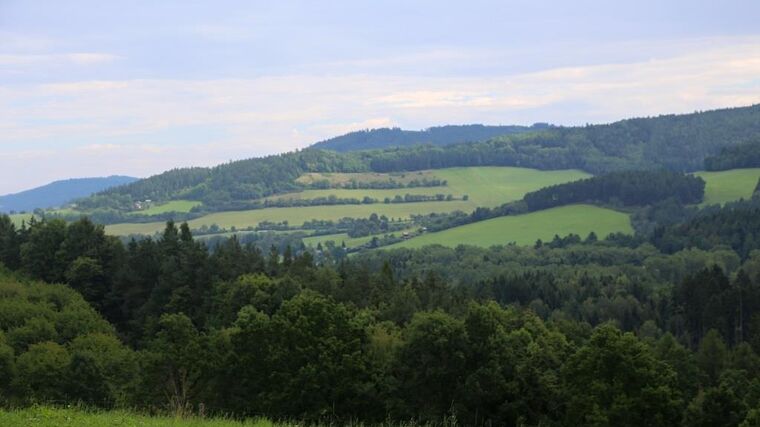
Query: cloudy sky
{"points": [[93, 88]]}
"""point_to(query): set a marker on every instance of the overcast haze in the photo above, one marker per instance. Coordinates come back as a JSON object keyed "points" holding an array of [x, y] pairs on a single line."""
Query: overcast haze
{"points": [[100, 88]]}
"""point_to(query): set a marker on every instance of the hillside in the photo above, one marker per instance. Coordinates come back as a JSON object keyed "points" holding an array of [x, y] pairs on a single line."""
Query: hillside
{"points": [[59, 193], [443, 135], [527, 228], [674, 142]]}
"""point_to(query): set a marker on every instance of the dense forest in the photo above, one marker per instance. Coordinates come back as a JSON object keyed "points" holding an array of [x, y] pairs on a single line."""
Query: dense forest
{"points": [[626, 188], [441, 135], [745, 155], [666, 327], [673, 142]]}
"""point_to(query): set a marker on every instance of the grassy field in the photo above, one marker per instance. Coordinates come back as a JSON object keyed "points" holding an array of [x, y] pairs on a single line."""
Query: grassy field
{"points": [[351, 242], [296, 215], [17, 219], [485, 186], [59, 417], [726, 186], [526, 229], [173, 206]]}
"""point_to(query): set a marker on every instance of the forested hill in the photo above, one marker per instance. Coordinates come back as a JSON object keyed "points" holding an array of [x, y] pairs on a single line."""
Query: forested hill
{"points": [[745, 155], [442, 135], [59, 192], [672, 142]]}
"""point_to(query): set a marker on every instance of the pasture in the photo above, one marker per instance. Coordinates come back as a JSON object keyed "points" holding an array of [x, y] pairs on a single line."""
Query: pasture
{"points": [[296, 215], [526, 229], [730, 185], [485, 186], [181, 206]]}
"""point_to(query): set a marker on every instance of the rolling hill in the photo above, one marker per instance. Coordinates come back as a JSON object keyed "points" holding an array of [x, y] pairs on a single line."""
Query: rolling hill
{"points": [[674, 142], [526, 229], [59, 192], [442, 135]]}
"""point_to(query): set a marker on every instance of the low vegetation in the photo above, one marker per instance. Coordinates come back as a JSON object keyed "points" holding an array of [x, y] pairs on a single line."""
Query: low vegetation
{"points": [[729, 185], [41, 416], [525, 229]]}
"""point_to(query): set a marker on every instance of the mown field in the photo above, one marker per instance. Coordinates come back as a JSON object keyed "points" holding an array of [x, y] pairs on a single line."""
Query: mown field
{"points": [[730, 185], [526, 229], [485, 186], [65, 417], [181, 206]]}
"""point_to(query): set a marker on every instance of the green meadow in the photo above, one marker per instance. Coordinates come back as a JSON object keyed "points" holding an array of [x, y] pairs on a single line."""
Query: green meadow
{"points": [[17, 219], [296, 215], [526, 229], [730, 185], [181, 206], [485, 186]]}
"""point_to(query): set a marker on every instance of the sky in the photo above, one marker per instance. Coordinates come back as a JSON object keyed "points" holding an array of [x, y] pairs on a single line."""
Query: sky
{"points": [[97, 88]]}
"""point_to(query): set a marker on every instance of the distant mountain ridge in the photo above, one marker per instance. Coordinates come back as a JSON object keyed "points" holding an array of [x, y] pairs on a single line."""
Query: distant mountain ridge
{"points": [[60, 192], [373, 139], [676, 142]]}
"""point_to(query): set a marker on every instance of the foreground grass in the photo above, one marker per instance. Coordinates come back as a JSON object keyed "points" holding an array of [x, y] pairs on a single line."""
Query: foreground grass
{"points": [[526, 229], [730, 185], [485, 186], [40, 416]]}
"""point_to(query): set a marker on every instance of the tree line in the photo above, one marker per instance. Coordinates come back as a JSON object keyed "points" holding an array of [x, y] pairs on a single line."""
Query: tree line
{"points": [[625, 188], [745, 155], [577, 331], [673, 142]]}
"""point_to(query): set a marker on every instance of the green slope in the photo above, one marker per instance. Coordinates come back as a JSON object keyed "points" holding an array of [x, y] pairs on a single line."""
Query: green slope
{"points": [[526, 229], [485, 186], [729, 185]]}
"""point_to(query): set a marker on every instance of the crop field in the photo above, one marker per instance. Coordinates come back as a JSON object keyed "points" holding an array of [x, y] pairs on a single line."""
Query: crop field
{"points": [[526, 229], [64, 417], [485, 186], [730, 185], [181, 206]]}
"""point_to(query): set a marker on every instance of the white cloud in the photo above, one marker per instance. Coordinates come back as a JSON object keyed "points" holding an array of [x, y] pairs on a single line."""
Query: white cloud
{"points": [[81, 58], [145, 126]]}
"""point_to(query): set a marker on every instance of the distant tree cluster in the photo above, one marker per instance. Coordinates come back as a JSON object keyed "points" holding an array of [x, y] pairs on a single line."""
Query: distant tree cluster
{"points": [[626, 188], [746, 155], [355, 184], [441, 135]]}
